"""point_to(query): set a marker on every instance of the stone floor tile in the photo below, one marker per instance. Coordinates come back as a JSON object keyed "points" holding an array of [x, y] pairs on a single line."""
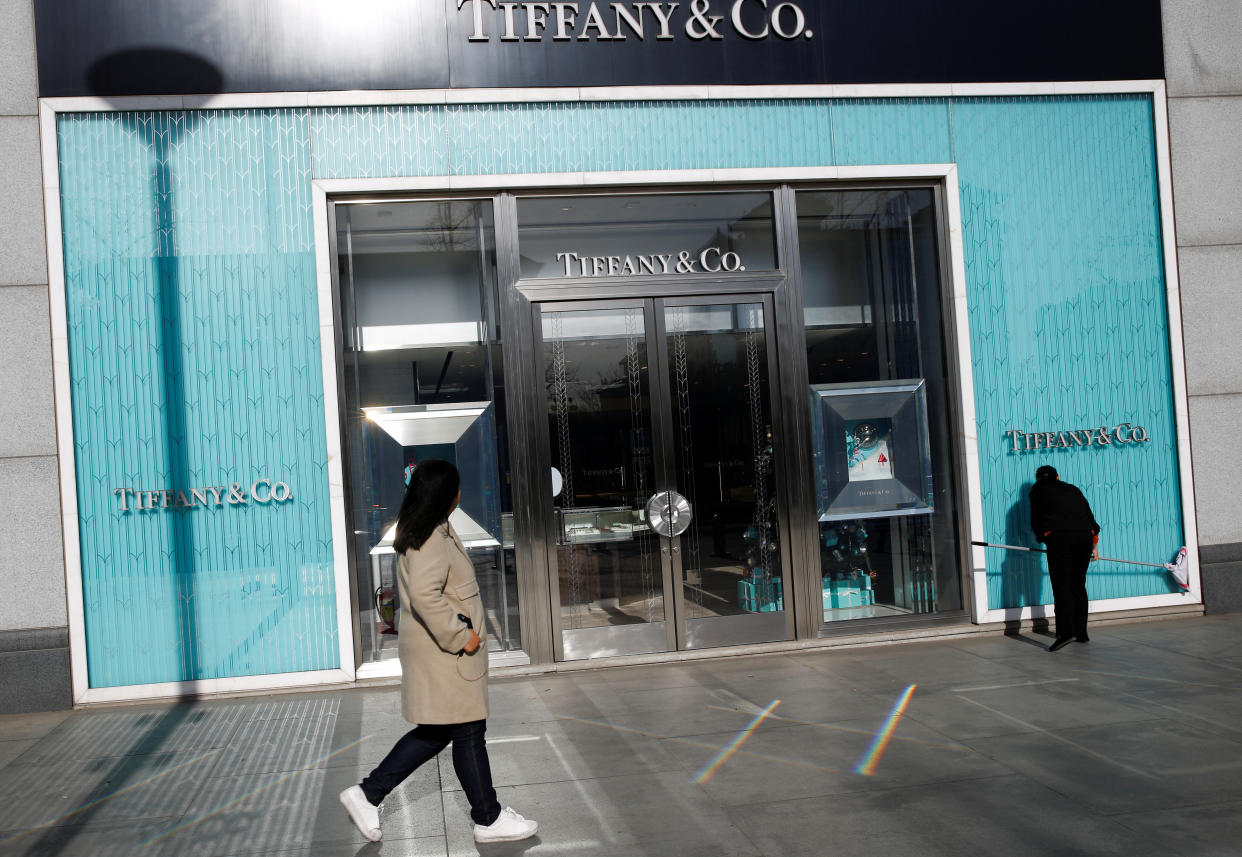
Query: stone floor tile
{"points": [[1000, 816], [564, 750], [1146, 766], [802, 761], [97, 839], [22, 727], [611, 817], [98, 790]]}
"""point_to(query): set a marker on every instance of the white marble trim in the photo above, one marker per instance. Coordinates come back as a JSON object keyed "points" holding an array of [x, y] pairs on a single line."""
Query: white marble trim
{"points": [[210, 686], [63, 404], [1177, 352], [361, 98], [332, 434], [1096, 608]]}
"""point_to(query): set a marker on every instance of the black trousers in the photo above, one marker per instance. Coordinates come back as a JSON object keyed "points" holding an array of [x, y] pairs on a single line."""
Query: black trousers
{"points": [[423, 743], [1069, 554]]}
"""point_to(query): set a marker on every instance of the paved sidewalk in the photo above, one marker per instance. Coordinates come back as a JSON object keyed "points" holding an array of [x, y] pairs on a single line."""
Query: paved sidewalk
{"points": [[1128, 745]]}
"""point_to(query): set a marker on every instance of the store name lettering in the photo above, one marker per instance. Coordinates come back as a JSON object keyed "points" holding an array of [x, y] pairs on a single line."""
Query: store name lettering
{"points": [[749, 19], [261, 491], [1022, 441], [710, 261]]}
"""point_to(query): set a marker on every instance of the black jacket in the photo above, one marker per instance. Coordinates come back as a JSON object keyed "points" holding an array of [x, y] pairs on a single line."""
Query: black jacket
{"points": [[1057, 505]]}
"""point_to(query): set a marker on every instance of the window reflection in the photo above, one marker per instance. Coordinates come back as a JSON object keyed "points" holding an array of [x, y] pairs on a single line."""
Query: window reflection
{"points": [[872, 313], [423, 379]]}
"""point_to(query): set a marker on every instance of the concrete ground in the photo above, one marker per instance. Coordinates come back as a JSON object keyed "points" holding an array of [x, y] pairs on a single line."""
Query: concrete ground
{"points": [[1128, 745]]}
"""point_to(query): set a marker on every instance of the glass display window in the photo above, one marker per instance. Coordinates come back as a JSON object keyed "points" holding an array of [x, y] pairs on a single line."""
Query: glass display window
{"points": [[422, 379], [879, 400]]}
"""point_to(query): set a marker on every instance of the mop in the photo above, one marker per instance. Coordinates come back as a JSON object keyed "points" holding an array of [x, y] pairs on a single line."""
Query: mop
{"points": [[1177, 568]]}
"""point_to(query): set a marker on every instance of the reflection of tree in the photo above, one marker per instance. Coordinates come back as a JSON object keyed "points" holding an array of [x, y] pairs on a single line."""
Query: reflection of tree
{"points": [[584, 391], [452, 227]]}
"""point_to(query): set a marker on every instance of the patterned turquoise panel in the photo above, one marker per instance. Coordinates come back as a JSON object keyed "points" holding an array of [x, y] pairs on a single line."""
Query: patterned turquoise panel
{"points": [[379, 142], [1069, 328], [892, 131], [613, 136], [469, 139], [195, 364]]}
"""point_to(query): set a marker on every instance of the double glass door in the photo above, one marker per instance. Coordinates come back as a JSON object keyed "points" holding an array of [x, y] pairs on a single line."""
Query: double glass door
{"points": [[665, 530]]}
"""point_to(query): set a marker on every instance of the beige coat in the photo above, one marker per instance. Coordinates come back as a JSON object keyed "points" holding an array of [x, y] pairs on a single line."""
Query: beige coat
{"points": [[436, 582]]}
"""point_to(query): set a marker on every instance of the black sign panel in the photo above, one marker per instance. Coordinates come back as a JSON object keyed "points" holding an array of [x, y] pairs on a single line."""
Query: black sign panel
{"points": [[153, 47]]}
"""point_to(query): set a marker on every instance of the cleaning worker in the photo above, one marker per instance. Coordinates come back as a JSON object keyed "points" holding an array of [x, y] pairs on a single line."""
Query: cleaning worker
{"points": [[1062, 520]]}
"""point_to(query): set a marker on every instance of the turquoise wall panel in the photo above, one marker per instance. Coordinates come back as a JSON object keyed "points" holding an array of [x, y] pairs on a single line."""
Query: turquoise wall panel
{"points": [[892, 131], [194, 343], [194, 354], [1069, 326], [379, 142]]}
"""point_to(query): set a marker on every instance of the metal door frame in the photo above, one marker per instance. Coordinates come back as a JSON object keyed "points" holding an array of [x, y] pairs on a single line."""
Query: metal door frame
{"points": [[655, 333]]}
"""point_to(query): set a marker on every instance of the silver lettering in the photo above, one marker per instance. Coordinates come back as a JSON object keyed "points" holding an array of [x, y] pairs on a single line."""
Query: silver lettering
{"points": [[736, 16], [1140, 435], [510, 33], [634, 23], [703, 260], [648, 263], [215, 493], [183, 502], [477, 35], [1122, 437], [598, 264], [665, 258], [536, 20], [1013, 438], [594, 21], [254, 490], [664, 14], [627, 267], [732, 262], [568, 259], [566, 15], [281, 492], [1061, 442], [799, 21], [614, 265], [124, 492], [702, 25]]}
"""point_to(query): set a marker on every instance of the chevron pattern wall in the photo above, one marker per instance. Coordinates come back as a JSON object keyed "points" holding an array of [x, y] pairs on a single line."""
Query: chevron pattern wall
{"points": [[194, 341]]}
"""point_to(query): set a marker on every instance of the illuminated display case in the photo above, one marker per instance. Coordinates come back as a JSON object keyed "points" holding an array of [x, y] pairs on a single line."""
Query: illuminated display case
{"points": [[603, 524], [463, 434], [872, 457]]}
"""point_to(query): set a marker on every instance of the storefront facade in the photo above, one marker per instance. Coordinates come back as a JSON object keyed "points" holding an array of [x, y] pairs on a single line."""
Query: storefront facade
{"points": [[721, 365]]}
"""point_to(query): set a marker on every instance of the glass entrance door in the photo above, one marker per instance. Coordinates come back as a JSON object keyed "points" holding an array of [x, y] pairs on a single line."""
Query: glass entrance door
{"points": [[660, 432]]}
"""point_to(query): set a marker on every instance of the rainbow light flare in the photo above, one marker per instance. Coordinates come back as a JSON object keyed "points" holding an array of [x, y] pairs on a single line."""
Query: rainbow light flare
{"points": [[709, 770], [868, 760]]}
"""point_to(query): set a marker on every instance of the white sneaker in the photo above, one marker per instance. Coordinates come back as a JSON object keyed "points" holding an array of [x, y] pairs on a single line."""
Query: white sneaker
{"points": [[364, 815], [509, 827]]}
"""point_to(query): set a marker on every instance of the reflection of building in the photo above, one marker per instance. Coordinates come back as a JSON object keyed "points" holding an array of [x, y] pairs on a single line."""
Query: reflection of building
{"points": [[320, 284]]}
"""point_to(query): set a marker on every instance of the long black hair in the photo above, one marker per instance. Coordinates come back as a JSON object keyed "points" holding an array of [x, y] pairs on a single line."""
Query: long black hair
{"points": [[428, 502]]}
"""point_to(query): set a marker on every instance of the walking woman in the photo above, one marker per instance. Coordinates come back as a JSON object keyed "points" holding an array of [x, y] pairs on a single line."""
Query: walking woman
{"points": [[443, 663]]}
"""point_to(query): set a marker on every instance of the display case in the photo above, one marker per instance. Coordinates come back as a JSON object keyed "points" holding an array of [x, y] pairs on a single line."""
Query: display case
{"points": [[872, 456], [461, 433], [601, 524]]}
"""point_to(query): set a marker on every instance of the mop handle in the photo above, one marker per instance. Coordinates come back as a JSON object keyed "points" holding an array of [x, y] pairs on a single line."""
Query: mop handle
{"points": [[1040, 550]]}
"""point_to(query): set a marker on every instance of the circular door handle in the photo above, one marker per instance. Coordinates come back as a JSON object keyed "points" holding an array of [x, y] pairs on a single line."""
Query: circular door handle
{"points": [[669, 513]]}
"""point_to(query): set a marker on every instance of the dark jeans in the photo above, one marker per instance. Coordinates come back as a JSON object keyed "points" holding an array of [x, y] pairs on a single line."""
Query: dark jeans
{"points": [[423, 743], [1069, 554]]}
